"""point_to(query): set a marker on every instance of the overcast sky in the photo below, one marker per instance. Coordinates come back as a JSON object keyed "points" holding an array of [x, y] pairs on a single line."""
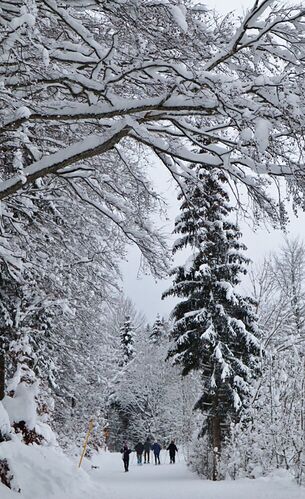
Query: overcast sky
{"points": [[144, 291], [228, 5]]}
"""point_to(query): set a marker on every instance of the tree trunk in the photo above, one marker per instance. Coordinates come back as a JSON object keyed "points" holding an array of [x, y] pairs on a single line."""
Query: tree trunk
{"points": [[216, 443]]}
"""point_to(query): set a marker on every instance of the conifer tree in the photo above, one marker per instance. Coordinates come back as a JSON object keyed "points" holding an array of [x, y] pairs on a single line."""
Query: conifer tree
{"points": [[127, 340], [158, 330], [215, 329]]}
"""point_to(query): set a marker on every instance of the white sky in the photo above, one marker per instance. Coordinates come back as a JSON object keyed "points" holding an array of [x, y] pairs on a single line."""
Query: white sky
{"points": [[228, 5], [144, 291]]}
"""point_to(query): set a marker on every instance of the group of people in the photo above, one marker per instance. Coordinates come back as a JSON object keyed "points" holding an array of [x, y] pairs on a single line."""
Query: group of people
{"points": [[145, 449]]}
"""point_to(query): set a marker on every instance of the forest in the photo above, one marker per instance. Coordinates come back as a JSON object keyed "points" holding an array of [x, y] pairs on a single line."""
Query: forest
{"points": [[96, 97]]}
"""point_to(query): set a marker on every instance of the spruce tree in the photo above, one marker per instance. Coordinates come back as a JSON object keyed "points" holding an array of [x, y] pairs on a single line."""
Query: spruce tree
{"points": [[158, 330], [127, 340], [215, 329]]}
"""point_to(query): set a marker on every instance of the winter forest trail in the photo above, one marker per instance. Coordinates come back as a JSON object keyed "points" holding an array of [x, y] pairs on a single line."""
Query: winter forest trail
{"points": [[167, 481], [43, 473]]}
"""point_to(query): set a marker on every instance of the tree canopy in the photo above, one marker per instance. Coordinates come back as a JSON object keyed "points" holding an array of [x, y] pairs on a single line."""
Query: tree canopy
{"points": [[114, 80]]}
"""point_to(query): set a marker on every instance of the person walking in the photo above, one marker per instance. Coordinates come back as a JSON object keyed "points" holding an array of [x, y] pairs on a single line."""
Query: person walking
{"points": [[172, 452], [125, 451], [156, 447], [147, 449], [139, 448]]}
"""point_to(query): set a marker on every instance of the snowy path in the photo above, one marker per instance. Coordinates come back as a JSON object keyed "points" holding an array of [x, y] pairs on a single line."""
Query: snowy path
{"points": [[43, 473], [167, 481]]}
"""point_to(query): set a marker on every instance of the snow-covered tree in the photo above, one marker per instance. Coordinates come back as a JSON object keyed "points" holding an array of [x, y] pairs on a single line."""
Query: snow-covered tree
{"points": [[215, 329], [151, 397], [115, 79], [271, 433], [25, 319], [122, 348], [158, 330], [286, 269], [77, 286], [127, 335]]}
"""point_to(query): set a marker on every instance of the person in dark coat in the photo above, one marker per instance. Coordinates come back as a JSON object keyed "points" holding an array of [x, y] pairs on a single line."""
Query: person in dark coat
{"points": [[147, 449], [156, 447], [172, 452], [125, 451], [139, 448]]}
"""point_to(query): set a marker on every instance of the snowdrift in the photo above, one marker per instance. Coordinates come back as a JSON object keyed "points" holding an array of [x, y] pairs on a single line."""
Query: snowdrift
{"points": [[42, 472]]}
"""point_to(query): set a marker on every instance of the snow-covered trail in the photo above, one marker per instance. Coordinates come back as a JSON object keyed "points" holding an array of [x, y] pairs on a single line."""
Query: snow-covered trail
{"points": [[166, 481], [44, 473]]}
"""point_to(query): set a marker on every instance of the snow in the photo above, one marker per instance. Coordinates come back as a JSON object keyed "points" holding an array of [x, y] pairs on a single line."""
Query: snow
{"points": [[5, 426], [23, 19], [45, 57], [209, 334], [22, 406], [166, 481], [246, 134], [230, 294], [189, 262], [262, 131], [205, 269], [254, 15], [23, 112], [179, 16], [43, 472]]}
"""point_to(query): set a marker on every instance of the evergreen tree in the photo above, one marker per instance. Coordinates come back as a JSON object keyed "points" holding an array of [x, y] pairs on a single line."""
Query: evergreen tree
{"points": [[127, 340], [215, 329], [123, 345], [158, 330]]}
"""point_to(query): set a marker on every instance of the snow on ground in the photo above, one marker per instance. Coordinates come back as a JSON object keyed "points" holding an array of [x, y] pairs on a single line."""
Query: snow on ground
{"points": [[166, 481], [43, 473]]}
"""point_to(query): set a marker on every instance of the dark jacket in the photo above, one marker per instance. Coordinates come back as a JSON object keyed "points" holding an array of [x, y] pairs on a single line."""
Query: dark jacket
{"points": [[125, 451], [172, 449], [156, 448], [139, 448], [147, 445]]}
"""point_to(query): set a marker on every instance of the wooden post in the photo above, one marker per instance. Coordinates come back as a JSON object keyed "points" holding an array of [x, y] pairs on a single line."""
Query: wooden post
{"points": [[90, 428]]}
